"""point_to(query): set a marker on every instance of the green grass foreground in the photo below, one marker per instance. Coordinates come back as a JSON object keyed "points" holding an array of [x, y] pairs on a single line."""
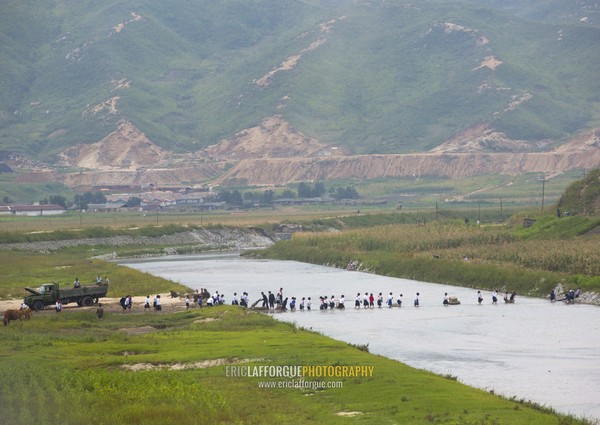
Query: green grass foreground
{"points": [[154, 368]]}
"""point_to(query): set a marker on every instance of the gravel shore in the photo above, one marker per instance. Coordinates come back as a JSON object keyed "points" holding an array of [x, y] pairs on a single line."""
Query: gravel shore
{"points": [[110, 306]]}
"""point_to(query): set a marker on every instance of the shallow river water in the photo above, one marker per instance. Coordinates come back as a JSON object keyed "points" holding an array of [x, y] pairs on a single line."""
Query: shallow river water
{"points": [[533, 349]]}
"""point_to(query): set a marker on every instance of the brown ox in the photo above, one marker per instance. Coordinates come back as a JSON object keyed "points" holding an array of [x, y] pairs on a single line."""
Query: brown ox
{"points": [[17, 314]]}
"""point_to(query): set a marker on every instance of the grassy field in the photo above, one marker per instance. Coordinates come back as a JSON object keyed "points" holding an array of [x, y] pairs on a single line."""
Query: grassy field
{"points": [[21, 269], [70, 221], [73, 368]]}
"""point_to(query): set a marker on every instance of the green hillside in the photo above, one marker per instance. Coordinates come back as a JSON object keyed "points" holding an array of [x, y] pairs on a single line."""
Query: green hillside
{"points": [[374, 77], [582, 197]]}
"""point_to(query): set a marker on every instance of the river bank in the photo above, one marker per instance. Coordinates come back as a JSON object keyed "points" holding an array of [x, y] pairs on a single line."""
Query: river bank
{"points": [[544, 361], [109, 304]]}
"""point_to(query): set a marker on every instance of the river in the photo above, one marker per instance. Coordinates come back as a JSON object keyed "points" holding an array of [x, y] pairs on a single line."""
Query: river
{"points": [[534, 350]]}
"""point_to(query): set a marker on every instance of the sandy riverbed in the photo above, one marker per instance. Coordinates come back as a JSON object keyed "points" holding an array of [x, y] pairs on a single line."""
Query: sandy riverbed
{"points": [[109, 304]]}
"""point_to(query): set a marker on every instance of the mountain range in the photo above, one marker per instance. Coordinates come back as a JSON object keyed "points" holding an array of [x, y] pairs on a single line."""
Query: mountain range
{"points": [[264, 92]]}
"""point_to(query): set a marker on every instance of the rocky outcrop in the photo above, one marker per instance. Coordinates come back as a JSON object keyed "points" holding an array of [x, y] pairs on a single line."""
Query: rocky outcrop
{"points": [[125, 148], [273, 138], [483, 138]]}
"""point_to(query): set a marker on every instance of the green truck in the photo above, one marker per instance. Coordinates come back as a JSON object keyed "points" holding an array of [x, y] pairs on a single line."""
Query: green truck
{"points": [[49, 293]]}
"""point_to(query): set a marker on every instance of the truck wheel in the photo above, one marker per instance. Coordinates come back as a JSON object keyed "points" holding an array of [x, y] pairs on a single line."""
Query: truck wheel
{"points": [[87, 301], [38, 305]]}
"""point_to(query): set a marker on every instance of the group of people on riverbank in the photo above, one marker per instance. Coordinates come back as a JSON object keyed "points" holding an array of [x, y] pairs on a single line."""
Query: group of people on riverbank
{"points": [[126, 303], [272, 301], [569, 296]]}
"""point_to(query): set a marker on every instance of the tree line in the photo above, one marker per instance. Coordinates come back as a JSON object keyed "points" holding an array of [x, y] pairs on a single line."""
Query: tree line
{"points": [[304, 191], [230, 197]]}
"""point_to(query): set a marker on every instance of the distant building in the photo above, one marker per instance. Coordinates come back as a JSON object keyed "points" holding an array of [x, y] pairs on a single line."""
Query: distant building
{"points": [[35, 210], [152, 204], [107, 207]]}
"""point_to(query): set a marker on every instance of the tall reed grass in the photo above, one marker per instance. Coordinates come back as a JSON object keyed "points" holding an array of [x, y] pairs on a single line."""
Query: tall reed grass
{"points": [[498, 256]]}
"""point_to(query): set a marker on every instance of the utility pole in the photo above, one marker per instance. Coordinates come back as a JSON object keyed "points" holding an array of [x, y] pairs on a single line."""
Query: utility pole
{"points": [[543, 190], [584, 187]]}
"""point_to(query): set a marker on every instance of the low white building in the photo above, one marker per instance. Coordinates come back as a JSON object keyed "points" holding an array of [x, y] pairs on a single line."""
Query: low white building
{"points": [[35, 210]]}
